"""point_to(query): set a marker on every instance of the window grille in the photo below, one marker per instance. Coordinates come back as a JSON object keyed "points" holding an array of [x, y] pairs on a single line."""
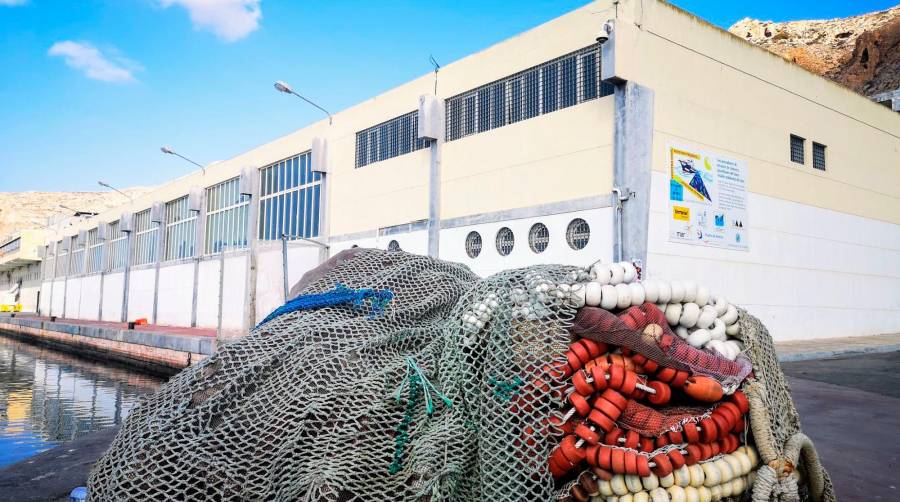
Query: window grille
{"points": [[560, 83], [49, 263], [181, 229], [146, 239], [62, 259], [11, 246], [473, 244], [115, 256], [797, 147], [818, 156], [393, 246], [538, 237], [290, 194], [95, 251], [505, 241], [77, 266], [390, 139], [578, 233], [226, 217]]}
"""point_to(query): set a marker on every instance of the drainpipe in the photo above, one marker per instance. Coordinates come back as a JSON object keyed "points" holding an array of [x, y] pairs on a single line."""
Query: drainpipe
{"points": [[431, 127]]}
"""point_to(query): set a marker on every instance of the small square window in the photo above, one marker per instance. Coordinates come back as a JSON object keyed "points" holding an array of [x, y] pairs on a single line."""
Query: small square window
{"points": [[818, 156], [797, 147]]}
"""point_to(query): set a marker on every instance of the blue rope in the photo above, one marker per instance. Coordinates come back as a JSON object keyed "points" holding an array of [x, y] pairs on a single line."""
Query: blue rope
{"points": [[378, 300]]}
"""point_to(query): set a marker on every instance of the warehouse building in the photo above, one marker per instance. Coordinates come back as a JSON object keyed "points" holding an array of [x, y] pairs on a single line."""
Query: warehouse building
{"points": [[624, 129]]}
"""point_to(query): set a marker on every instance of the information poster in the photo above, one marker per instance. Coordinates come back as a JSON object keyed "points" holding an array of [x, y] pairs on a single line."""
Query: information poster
{"points": [[707, 198]]}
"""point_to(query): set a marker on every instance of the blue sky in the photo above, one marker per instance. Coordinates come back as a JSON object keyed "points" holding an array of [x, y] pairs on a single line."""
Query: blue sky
{"points": [[92, 88]]}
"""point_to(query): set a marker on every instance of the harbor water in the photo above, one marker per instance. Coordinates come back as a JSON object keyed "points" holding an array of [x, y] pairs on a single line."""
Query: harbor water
{"points": [[48, 397]]}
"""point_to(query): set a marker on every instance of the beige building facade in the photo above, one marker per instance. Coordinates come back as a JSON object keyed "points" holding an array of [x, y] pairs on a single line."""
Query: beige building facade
{"points": [[549, 147]]}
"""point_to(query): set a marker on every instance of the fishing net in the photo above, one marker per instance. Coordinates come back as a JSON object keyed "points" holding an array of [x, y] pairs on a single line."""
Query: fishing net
{"points": [[391, 377]]}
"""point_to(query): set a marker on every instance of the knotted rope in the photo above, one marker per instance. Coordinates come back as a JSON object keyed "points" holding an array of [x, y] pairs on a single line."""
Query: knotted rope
{"points": [[379, 299]]}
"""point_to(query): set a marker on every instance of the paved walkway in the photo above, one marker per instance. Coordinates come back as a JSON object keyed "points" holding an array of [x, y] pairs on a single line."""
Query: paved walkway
{"points": [[150, 328], [821, 348]]}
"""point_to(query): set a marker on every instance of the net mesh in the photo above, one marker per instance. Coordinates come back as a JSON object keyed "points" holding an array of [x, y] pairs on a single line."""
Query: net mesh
{"points": [[447, 394]]}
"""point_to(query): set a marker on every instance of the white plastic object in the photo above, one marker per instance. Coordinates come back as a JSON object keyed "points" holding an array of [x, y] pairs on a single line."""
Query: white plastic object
{"points": [[676, 494], [707, 317], [618, 485], [592, 294], [731, 315], [682, 476], [650, 482], [665, 292], [718, 330], [721, 305], [667, 480], [705, 494], [682, 332], [578, 295], [609, 298], [630, 271], [690, 291], [659, 495], [605, 487], [717, 346], [689, 315], [623, 293], [702, 298], [697, 475], [638, 294], [673, 313], [618, 274], [733, 330], [711, 474], [734, 464], [633, 483], [641, 497], [698, 338], [725, 470], [602, 273], [691, 494], [677, 291], [651, 290]]}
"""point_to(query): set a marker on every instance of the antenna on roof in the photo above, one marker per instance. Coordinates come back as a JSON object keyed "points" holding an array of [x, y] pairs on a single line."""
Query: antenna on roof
{"points": [[436, 68]]}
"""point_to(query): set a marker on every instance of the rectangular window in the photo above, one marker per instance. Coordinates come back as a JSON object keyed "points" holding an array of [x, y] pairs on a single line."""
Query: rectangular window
{"points": [[559, 83], [115, 253], [293, 211], [389, 139], [11, 246], [818, 156], [77, 266], [146, 239], [95, 251], [227, 210], [181, 229], [62, 259], [798, 145]]}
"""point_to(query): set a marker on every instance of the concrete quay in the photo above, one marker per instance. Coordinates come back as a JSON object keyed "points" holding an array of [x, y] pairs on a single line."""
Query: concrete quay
{"points": [[164, 350]]}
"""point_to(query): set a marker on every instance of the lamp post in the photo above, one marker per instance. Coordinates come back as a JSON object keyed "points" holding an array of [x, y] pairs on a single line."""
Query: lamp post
{"points": [[107, 185], [169, 151], [282, 86]]}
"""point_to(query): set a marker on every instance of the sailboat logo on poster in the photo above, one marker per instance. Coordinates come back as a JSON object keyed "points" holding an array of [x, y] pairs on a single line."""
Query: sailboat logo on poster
{"points": [[707, 198]]}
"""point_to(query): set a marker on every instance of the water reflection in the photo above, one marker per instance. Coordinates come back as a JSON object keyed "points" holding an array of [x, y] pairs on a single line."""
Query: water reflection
{"points": [[47, 397]]}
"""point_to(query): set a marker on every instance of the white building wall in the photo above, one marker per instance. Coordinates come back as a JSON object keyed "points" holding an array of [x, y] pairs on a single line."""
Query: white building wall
{"points": [[233, 289], [45, 300], [58, 296], [113, 286], [73, 298], [176, 294], [489, 261], [89, 301], [809, 273], [28, 295], [140, 294]]}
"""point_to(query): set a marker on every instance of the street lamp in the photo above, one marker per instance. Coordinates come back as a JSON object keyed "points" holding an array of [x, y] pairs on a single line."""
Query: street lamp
{"points": [[168, 150], [282, 86], [107, 185]]}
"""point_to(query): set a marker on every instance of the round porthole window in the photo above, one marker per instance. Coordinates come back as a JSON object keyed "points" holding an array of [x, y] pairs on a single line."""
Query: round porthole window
{"points": [[473, 244], [578, 233], [393, 246], [538, 237], [505, 241]]}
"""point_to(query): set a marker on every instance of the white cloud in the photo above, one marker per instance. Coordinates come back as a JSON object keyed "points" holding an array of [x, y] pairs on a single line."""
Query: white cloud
{"points": [[12, 3], [230, 20], [96, 65]]}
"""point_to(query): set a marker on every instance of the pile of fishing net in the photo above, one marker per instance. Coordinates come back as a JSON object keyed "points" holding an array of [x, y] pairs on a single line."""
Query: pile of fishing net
{"points": [[399, 377]]}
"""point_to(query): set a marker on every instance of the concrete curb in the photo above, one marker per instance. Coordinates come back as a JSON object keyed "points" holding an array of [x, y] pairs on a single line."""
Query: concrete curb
{"points": [[830, 354]]}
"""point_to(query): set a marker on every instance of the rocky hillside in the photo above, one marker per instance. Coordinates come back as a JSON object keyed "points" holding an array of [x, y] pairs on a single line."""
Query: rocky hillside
{"points": [[20, 210], [860, 52]]}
